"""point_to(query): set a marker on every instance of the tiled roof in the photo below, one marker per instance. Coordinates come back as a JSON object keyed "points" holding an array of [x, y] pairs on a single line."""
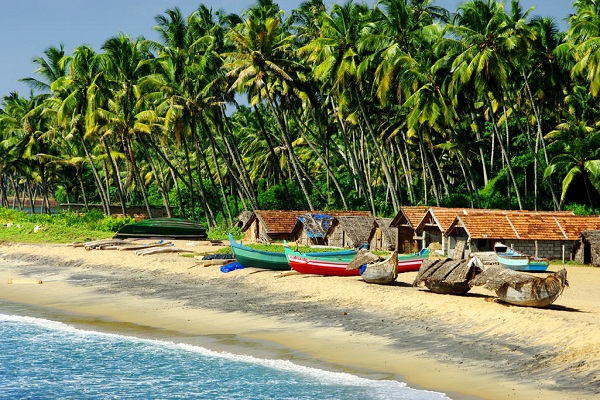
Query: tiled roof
{"points": [[444, 217], [410, 215], [280, 221], [524, 225]]}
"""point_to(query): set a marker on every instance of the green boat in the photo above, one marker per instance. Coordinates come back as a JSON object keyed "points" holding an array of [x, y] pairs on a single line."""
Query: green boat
{"points": [[249, 257], [163, 228]]}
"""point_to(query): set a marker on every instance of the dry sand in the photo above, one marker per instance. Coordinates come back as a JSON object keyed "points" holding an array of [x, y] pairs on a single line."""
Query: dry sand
{"points": [[468, 346]]}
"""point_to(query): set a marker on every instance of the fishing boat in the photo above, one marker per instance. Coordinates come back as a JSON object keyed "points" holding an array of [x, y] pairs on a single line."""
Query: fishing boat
{"points": [[172, 228], [448, 276], [523, 289], [380, 270], [249, 257], [515, 260]]}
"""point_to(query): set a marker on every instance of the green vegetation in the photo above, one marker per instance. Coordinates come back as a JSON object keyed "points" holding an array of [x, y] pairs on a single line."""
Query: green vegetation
{"points": [[69, 227], [349, 107]]}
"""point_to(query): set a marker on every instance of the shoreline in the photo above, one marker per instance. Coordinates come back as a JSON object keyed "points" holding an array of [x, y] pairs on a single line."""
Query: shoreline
{"points": [[467, 347]]}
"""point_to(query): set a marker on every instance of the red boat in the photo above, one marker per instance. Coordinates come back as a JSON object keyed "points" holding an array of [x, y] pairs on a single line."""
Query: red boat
{"points": [[337, 267], [314, 266]]}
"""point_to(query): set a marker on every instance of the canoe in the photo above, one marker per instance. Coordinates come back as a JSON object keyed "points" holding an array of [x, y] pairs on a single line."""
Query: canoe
{"points": [[523, 289], [383, 272], [517, 261], [249, 257], [412, 261], [448, 276], [172, 228]]}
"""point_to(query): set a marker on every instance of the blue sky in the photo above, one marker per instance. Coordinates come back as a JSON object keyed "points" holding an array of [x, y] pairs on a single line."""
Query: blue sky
{"points": [[28, 27]]}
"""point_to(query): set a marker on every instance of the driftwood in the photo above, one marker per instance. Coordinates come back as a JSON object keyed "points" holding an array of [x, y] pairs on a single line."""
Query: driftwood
{"points": [[523, 289], [156, 250], [448, 276]]}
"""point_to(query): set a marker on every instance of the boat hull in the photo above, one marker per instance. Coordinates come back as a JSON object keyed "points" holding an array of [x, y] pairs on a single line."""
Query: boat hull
{"points": [[517, 261], [305, 265], [381, 272], [249, 257], [410, 265]]}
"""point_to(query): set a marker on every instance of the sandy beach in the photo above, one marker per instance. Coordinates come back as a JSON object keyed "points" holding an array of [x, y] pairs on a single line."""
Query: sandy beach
{"points": [[468, 347]]}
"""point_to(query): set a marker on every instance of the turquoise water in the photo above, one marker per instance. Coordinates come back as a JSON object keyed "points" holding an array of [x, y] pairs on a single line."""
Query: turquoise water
{"points": [[43, 359]]}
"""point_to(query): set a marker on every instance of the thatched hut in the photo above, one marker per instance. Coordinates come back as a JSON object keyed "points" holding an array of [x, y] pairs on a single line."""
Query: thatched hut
{"points": [[312, 228], [587, 249], [351, 231], [383, 236]]}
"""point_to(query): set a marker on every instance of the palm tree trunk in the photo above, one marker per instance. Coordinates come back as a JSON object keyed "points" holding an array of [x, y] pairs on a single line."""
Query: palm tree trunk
{"points": [[506, 158], [353, 164], [159, 182], [116, 176], [293, 159], [99, 185], [386, 170]]}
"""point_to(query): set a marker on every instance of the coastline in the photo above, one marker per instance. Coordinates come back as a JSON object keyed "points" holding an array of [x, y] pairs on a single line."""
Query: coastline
{"points": [[466, 347]]}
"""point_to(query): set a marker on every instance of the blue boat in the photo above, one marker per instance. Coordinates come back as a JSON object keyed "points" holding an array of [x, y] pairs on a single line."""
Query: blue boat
{"points": [[517, 261]]}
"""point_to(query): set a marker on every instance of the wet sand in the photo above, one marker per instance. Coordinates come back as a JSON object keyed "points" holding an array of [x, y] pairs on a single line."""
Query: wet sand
{"points": [[468, 347]]}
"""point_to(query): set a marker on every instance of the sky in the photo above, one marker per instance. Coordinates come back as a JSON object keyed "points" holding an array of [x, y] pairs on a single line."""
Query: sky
{"points": [[28, 27]]}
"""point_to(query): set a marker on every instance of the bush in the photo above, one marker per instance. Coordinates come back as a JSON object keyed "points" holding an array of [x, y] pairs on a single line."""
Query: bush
{"points": [[113, 224]]}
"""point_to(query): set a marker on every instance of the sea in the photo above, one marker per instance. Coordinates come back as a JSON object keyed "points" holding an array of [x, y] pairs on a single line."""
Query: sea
{"points": [[47, 359]]}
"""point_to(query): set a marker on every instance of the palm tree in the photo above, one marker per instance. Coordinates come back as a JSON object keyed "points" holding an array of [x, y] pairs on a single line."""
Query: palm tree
{"points": [[71, 103], [480, 57], [577, 144], [261, 64]]}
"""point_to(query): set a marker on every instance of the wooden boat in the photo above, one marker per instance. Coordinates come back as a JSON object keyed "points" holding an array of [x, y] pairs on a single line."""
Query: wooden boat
{"points": [[172, 228], [318, 265], [278, 261], [448, 276], [379, 270], [515, 260], [523, 289]]}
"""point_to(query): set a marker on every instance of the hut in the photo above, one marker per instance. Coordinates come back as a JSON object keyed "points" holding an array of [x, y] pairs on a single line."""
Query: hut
{"points": [[269, 226], [405, 222], [350, 231], [542, 234], [383, 236], [432, 227], [313, 228], [587, 249]]}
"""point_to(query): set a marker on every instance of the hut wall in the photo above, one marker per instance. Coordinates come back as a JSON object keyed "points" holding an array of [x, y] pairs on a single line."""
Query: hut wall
{"points": [[545, 248], [406, 242], [381, 241], [302, 237], [337, 237], [251, 234]]}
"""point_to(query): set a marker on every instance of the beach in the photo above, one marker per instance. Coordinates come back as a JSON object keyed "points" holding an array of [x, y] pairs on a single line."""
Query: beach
{"points": [[466, 346]]}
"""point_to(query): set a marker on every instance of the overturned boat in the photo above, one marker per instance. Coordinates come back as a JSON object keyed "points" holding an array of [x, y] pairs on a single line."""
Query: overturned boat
{"points": [[523, 289], [171, 228], [448, 276]]}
